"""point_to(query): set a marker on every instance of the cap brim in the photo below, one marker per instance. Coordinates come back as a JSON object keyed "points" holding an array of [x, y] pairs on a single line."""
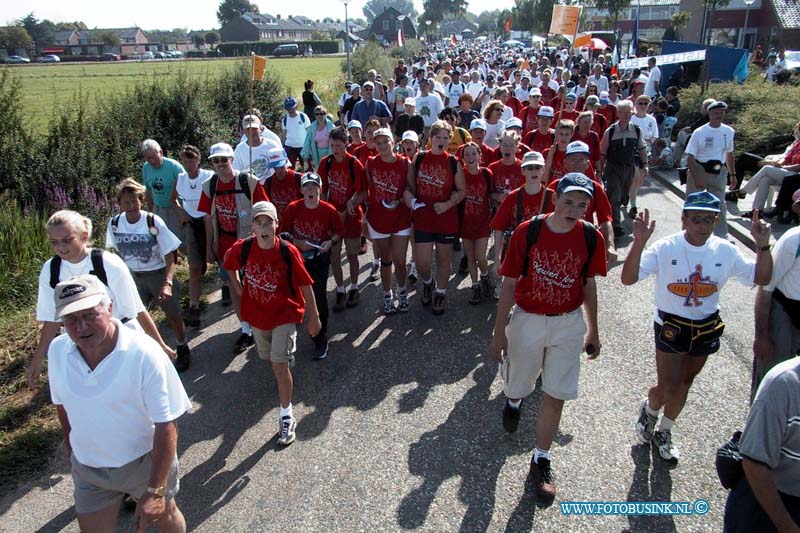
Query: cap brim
{"points": [[532, 164], [701, 208], [572, 188], [80, 305]]}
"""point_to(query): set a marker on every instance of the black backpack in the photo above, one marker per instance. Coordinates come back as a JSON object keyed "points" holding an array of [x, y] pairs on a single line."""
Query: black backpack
{"points": [[285, 253], [619, 159], [535, 227], [98, 269]]}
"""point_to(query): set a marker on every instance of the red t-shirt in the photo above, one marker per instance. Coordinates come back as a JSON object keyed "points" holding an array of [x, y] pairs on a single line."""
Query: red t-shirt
{"points": [[557, 166], [364, 152], [352, 148], [314, 225], [267, 300], [507, 177], [540, 142], [435, 182], [593, 141], [340, 186], [227, 217], [599, 206], [386, 182], [548, 95], [284, 191], [529, 117], [609, 112], [565, 115], [553, 283], [599, 125], [475, 224], [506, 217]]}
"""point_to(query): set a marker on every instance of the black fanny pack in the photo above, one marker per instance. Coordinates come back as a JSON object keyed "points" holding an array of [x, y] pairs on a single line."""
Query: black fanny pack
{"points": [[682, 334], [712, 167], [792, 307]]}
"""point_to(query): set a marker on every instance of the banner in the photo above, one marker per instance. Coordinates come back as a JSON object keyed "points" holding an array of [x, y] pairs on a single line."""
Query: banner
{"points": [[565, 19], [508, 24], [259, 67], [400, 40], [633, 47]]}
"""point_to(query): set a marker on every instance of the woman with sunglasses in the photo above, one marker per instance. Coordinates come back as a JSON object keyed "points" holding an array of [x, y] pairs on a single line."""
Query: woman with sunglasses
{"points": [[495, 126], [317, 143], [690, 268]]}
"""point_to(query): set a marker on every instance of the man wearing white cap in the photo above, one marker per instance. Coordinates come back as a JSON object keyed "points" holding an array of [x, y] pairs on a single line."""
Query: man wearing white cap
{"points": [[117, 399], [251, 155]]}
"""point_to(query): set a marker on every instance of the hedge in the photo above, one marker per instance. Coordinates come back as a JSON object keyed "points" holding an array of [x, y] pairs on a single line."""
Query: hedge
{"points": [[265, 48]]}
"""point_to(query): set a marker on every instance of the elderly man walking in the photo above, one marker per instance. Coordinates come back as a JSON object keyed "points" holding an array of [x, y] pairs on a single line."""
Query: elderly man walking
{"points": [[118, 399], [159, 175]]}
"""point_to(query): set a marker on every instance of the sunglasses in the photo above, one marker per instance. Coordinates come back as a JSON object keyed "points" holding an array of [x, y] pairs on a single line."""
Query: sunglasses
{"points": [[216, 160], [319, 114], [703, 219]]}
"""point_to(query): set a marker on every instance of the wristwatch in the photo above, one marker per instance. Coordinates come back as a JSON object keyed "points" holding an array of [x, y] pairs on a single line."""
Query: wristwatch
{"points": [[765, 248], [158, 492]]}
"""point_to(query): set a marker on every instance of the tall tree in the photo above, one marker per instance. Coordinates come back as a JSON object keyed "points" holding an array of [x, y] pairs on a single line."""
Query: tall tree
{"points": [[230, 9], [14, 37], [41, 31], [678, 22], [436, 10], [614, 7], [373, 8], [212, 38]]}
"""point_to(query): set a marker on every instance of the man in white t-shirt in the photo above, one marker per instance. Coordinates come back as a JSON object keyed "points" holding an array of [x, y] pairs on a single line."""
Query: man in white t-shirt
{"points": [[293, 129], [690, 267], [653, 86], [475, 87], [117, 399], [598, 79], [454, 89], [260, 147], [429, 105]]}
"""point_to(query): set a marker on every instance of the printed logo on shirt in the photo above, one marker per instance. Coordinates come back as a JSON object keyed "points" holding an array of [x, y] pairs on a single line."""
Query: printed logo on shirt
{"points": [[310, 231], [135, 246], [432, 180], [694, 287], [227, 214], [553, 275], [384, 185], [262, 283]]}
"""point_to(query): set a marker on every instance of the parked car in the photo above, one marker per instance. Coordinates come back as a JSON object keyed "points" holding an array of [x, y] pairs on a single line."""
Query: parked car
{"points": [[17, 60], [109, 56], [286, 50], [49, 58], [148, 55], [793, 60]]}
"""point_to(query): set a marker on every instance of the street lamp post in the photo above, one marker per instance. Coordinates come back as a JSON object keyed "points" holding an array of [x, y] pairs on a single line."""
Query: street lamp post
{"points": [[748, 3], [428, 28], [347, 38]]}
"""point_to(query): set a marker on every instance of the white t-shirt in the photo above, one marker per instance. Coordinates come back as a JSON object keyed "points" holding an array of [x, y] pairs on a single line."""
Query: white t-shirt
{"points": [[493, 133], [295, 128], [522, 93], [475, 88], [648, 125], [260, 169], [601, 82], [552, 84], [429, 107], [689, 275], [508, 113], [137, 246], [786, 265], [650, 86], [112, 409], [710, 144], [266, 133], [454, 92], [124, 295], [191, 189]]}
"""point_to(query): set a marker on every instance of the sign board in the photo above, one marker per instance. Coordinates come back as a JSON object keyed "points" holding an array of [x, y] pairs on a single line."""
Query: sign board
{"points": [[667, 59], [565, 19]]}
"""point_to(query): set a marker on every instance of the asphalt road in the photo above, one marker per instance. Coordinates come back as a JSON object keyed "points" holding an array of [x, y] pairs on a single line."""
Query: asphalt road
{"points": [[400, 427]]}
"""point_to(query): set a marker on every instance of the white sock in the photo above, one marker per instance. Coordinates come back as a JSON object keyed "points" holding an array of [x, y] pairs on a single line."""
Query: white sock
{"points": [[245, 328], [540, 454], [340, 288], [666, 424], [286, 411], [353, 287], [440, 290], [651, 412]]}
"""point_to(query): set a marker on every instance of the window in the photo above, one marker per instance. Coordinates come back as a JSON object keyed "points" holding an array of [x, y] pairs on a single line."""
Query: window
{"points": [[385, 25]]}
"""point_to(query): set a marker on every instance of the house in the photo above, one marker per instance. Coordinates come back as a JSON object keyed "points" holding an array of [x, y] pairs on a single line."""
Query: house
{"points": [[90, 42], [264, 27], [386, 25], [654, 18]]}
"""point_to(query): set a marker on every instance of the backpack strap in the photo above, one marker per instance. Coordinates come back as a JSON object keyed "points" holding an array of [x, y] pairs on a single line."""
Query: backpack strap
{"points": [[244, 253], [487, 176], [351, 160], [55, 271], [151, 224], [418, 160], [244, 185], [114, 223], [98, 268], [590, 236], [532, 235], [518, 215], [212, 186], [453, 165]]}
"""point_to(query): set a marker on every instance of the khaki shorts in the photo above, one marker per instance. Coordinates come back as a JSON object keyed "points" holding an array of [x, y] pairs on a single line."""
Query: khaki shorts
{"points": [[97, 488], [551, 345], [277, 344]]}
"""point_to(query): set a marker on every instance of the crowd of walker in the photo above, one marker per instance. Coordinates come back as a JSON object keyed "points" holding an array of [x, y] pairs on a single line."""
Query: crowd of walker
{"points": [[527, 162]]}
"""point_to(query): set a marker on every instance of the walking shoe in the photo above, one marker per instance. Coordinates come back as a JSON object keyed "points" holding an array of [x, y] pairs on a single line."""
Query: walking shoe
{"points": [[363, 248], [543, 479], [475, 294], [286, 433], [619, 232], [662, 441], [633, 212], [438, 304], [463, 268], [388, 306], [193, 319], [321, 351], [427, 293], [339, 304], [242, 343], [226, 296], [646, 424], [511, 417], [184, 357], [457, 245], [487, 290], [352, 297], [412, 272], [402, 302], [375, 271]]}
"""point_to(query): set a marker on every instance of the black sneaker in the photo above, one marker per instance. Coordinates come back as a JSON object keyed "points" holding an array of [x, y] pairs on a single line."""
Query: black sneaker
{"points": [[619, 232], [511, 417], [184, 357], [339, 304], [645, 424], [427, 293], [543, 479], [193, 319], [457, 245], [633, 212], [439, 304], [242, 343], [475, 294], [463, 268], [352, 297], [487, 287], [226, 296], [321, 351]]}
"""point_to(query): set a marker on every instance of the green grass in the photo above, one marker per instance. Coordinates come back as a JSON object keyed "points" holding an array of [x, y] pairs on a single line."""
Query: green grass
{"points": [[48, 88]]}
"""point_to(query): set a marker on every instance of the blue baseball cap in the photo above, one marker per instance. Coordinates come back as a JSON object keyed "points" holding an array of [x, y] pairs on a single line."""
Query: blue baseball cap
{"points": [[575, 181], [289, 103], [701, 201]]}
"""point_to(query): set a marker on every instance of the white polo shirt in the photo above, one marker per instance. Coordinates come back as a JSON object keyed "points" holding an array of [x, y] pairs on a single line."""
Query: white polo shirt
{"points": [[711, 144]]}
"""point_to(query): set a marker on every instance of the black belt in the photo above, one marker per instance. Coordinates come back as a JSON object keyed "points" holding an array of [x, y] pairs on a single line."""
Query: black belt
{"points": [[125, 320]]}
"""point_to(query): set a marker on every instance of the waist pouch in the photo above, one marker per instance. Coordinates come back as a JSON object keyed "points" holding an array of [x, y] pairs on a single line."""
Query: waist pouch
{"points": [[792, 307], [712, 167], [682, 334], [729, 462]]}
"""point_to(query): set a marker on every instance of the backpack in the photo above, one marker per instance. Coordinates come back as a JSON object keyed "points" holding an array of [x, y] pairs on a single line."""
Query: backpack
{"points": [[98, 269], [247, 245], [151, 224], [302, 120], [611, 136], [535, 227], [244, 186], [450, 86]]}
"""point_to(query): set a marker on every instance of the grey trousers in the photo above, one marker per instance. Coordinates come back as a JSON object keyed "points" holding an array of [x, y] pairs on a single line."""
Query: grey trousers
{"points": [[618, 180], [785, 338]]}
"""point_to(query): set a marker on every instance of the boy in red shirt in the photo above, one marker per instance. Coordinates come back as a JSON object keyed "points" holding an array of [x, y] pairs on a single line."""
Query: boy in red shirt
{"points": [[314, 227], [547, 279], [275, 289], [569, 112], [283, 187], [543, 136], [554, 155]]}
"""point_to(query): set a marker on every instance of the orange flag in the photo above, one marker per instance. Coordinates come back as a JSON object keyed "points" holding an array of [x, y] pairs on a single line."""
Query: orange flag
{"points": [[259, 67], [583, 39]]}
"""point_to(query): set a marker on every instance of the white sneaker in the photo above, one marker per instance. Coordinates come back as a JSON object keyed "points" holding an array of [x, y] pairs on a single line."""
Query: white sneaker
{"points": [[662, 440], [286, 427]]}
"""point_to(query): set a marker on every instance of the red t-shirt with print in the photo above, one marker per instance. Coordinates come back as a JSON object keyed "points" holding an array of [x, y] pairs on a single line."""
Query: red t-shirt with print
{"points": [[435, 182], [364, 152], [540, 142], [284, 191], [593, 141], [385, 183], [227, 216], [314, 225], [529, 116], [475, 224], [553, 283], [506, 216], [565, 115], [507, 177], [340, 186], [267, 300]]}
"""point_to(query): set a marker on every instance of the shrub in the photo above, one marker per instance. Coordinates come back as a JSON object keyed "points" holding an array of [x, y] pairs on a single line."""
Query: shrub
{"points": [[412, 48], [368, 56], [23, 249]]}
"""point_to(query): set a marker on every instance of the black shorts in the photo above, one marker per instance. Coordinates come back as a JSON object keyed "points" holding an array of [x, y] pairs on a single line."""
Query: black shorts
{"points": [[688, 337], [423, 237]]}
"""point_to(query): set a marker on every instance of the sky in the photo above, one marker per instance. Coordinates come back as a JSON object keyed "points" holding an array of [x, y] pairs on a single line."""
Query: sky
{"points": [[190, 14]]}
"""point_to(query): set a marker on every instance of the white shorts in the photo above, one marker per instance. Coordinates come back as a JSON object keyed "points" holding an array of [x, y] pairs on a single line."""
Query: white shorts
{"points": [[374, 235], [551, 345]]}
